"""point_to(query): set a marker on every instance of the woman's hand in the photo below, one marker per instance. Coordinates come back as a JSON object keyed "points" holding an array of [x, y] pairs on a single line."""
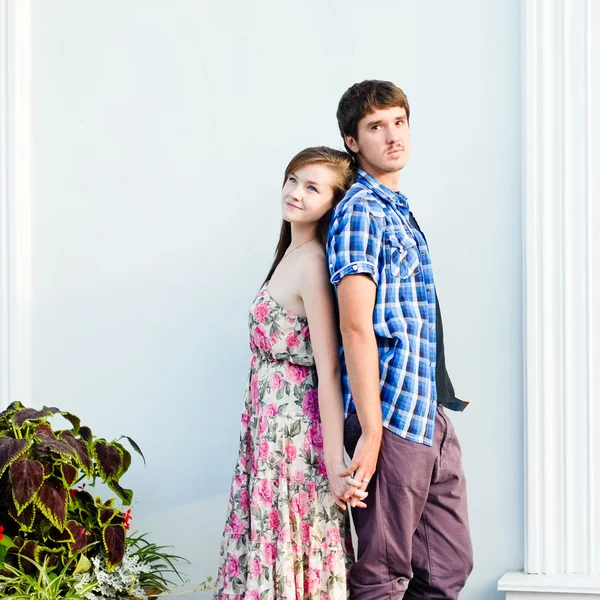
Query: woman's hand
{"points": [[344, 488]]}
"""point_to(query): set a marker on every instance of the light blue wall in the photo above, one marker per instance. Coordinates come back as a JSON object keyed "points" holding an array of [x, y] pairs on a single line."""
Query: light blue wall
{"points": [[160, 132]]}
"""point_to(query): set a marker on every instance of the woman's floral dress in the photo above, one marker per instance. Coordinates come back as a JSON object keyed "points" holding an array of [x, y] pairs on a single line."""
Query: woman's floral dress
{"points": [[285, 538]]}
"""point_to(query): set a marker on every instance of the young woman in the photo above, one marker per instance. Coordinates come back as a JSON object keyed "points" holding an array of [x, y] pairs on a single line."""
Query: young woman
{"points": [[286, 535]]}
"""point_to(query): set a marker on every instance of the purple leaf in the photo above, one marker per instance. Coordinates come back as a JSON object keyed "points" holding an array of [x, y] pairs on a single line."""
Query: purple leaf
{"points": [[29, 414], [125, 495], [44, 433], [10, 450], [110, 461], [26, 477], [26, 518], [81, 537], [86, 433], [69, 474], [113, 537], [135, 446], [52, 502], [81, 452]]}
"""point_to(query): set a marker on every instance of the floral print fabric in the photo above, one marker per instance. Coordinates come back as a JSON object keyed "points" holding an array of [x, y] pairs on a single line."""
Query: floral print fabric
{"points": [[285, 538]]}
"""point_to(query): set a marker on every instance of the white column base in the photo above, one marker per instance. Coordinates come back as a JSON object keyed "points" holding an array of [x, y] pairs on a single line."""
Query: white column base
{"points": [[522, 586]]}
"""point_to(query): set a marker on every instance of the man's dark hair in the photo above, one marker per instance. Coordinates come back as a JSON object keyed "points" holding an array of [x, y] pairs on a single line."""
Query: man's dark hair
{"points": [[365, 98]]}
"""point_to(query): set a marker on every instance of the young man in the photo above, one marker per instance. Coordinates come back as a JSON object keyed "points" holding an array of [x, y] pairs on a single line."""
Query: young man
{"points": [[413, 536]]}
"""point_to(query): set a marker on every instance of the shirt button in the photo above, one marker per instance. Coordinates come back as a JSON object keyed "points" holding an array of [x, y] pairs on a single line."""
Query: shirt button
{"points": [[354, 268], [331, 265], [431, 327]]}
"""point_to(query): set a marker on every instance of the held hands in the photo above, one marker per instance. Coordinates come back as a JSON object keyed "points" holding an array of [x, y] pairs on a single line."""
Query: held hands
{"points": [[344, 488], [364, 464]]}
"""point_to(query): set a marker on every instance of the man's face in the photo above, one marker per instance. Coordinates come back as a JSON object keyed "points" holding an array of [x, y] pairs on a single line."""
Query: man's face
{"points": [[383, 143]]}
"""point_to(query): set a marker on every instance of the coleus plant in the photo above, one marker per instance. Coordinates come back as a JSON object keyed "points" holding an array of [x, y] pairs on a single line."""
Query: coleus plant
{"points": [[41, 509]]}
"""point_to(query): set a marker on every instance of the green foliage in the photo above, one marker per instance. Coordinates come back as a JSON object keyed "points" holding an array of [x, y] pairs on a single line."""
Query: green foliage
{"points": [[43, 583], [48, 519], [163, 564]]}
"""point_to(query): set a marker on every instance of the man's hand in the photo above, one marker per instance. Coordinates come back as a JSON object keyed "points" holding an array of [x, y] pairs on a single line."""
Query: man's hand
{"points": [[364, 463]]}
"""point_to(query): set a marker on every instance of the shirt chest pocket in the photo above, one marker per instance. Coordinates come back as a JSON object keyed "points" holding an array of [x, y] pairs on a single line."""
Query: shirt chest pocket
{"points": [[401, 253]]}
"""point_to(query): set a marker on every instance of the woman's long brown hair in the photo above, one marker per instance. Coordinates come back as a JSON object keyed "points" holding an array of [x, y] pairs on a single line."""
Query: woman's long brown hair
{"points": [[339, 162]]}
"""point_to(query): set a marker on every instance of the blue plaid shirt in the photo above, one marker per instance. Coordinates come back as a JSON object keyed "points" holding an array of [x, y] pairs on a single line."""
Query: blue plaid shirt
{"points": [[371, 233]]}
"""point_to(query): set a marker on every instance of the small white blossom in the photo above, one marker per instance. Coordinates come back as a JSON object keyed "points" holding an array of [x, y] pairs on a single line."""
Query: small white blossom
{"points": [[122, 582]]}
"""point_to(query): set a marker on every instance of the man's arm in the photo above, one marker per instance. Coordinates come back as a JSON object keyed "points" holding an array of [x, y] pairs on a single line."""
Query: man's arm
{"points": [[356, 300]]}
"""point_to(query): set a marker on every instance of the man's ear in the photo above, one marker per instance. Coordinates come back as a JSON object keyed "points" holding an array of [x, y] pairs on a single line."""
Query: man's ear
{"points": [[351, 143]]}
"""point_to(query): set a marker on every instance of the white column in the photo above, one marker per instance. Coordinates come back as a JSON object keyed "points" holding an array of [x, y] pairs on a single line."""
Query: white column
{"points": [[561, 195], [15, 236]]}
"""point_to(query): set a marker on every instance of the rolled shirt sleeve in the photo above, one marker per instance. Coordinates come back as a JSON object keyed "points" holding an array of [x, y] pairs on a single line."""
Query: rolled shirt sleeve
{"points": [[354, 243]]}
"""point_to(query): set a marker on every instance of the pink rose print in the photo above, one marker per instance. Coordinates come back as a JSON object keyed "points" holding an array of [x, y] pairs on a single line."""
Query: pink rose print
{"points": [[305, 532], [310, 404], [292, 341], [333, 535], [237, 527], [263, 449], [245, 419], [321, 466], [314, 580], [261, 312], [312, 490], [291, 452], [296, 373], [272, 410], [244, 499], [299, 477], [299, 504], [260, 338], [255, 568], [274, 519], [269, 553], [276, 382], [254, 388], [264, 423], [254, 359], [330, 562], [305, 332], [265, 491], [315, 435], [252, 595], [233, 567]]}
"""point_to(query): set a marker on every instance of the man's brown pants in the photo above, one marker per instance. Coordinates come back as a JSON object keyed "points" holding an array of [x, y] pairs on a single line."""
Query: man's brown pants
{"points": [[413, 537]]}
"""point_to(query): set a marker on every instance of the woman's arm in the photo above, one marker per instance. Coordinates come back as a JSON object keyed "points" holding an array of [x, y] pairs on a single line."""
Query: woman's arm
{"points": [[316, 294]]}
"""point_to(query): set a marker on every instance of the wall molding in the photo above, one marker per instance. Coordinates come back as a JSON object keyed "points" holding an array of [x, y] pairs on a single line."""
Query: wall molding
{"points": [[15, 201], [561, 142]]}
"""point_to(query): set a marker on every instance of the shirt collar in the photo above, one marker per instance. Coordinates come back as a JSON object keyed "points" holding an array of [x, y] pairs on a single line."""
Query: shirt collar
{"points": [[383, 192]]}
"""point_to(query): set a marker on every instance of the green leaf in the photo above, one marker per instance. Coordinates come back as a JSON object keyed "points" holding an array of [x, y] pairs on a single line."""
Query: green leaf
{"points": [[74, 420], [11, 450], [83, 565], [135, 446], [124, 494], [3, 551], [26, 477]]}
